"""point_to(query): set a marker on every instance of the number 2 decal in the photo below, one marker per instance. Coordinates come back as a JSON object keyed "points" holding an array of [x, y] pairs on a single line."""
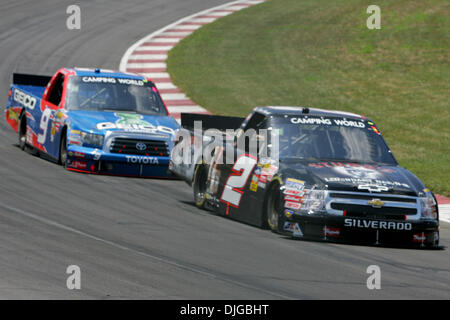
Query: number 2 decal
{"points": [[233, 190], [44, 125]]}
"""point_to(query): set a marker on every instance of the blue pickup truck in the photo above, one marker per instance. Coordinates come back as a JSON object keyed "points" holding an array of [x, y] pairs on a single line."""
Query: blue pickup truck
{"points": [[94, 121]]}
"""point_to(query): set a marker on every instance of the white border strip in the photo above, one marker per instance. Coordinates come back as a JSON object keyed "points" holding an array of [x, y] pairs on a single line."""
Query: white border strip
{"points": [[444, 213]]}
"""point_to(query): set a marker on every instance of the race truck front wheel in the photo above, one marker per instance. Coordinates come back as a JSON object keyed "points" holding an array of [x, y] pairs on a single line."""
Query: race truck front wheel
{"points": [[274, 207], [63, 150], [199, 185]]}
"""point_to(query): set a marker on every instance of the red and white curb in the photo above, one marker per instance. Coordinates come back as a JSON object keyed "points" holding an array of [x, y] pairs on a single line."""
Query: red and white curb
{"points": [[148, 56], [444, 208]]}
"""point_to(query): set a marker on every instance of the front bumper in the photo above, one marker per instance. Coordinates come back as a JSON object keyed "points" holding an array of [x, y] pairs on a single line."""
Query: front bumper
{"points": [[421, 233], [89, 160]]}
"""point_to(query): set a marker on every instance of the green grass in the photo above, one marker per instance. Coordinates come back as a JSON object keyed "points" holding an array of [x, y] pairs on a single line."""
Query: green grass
{"points": [[319, 53]]}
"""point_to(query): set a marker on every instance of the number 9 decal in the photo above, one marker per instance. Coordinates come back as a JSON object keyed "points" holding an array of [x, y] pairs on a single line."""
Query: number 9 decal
{"points": [[45, 119], [233, 190]]}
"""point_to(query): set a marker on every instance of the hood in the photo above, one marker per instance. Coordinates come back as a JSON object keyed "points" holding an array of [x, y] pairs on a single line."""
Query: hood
{"points": [[99, 122], [358, 177]]}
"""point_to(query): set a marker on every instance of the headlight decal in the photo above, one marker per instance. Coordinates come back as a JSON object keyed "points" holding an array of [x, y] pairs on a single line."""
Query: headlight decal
{"points": [[428, 207], [91, 139]]}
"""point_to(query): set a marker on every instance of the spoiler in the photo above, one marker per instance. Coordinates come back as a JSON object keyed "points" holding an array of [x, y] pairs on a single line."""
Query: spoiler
{"points": [[210, 121], [30, 79]]}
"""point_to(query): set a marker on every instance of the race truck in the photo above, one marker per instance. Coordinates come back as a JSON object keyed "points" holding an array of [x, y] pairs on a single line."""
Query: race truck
{"points": [[93, 121], [311, 174]]}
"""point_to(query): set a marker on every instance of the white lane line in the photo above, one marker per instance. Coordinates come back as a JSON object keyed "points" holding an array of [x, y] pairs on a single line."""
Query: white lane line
{"points": [[156, 48], [157, 75], [236, 8], [187, 27], [181, 34], [147, 65], [255, 1], [179, 109], [163, 40], [444, 213], [165, 85], [174, 96], [220, 13], [149, 57], [203, 20]]}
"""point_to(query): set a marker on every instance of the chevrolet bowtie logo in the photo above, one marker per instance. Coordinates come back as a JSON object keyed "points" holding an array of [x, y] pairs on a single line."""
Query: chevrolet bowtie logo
{"points": [[376, 203]]}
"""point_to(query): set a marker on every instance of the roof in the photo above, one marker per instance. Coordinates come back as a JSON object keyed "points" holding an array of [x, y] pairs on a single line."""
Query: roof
{"points": [[90, 72], [288, 110]]}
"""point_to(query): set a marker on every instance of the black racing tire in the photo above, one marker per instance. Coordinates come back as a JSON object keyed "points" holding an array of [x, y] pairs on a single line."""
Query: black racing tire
{"points": [[199, 185], [274, 208], [22, 132], [63, 150]]}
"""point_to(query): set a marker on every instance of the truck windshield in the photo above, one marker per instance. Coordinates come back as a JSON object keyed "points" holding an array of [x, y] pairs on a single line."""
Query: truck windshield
{"points": [[113, 94], [331, 139]]}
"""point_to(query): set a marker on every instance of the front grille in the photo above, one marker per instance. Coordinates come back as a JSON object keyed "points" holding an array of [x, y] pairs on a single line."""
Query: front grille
{"points": [[139, 147], [356, 209], [356, 204], [371, 196]]}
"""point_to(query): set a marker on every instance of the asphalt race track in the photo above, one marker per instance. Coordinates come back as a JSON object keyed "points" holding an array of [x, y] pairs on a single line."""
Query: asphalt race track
{"points": [[144, 239]]}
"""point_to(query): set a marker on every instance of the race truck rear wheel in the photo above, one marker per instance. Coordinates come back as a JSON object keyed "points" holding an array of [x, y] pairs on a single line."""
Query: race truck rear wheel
{"points": [[199, 185], [63, 150], [274, 207], [22, 132]]}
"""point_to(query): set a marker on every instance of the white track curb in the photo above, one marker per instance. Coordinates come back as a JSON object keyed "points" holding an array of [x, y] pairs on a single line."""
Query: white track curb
{"points": [[148, 56]]}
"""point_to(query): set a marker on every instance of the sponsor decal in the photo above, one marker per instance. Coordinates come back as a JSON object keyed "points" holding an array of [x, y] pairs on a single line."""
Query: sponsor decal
{"points": [[24, 99], [331, 232], [377, 225], [351, 167], [419, 237], [141, 146], [328, 122], [375, 130], [345, 123], [293, 198], [254, 183], [263, 178], [294, 184], [267, 172], [375, 185], [294, 228], [294, 192], [74, 137], [141, 160], [261, 185], [78, 165], [373, 188], [97, 154], [376, 203], [12, 115], [134, 123], [288, 213], [292, 205], [113, 80]]}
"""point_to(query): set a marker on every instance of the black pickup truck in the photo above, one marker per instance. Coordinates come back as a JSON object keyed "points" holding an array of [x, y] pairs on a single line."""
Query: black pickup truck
{"points": [[314, 174]]}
